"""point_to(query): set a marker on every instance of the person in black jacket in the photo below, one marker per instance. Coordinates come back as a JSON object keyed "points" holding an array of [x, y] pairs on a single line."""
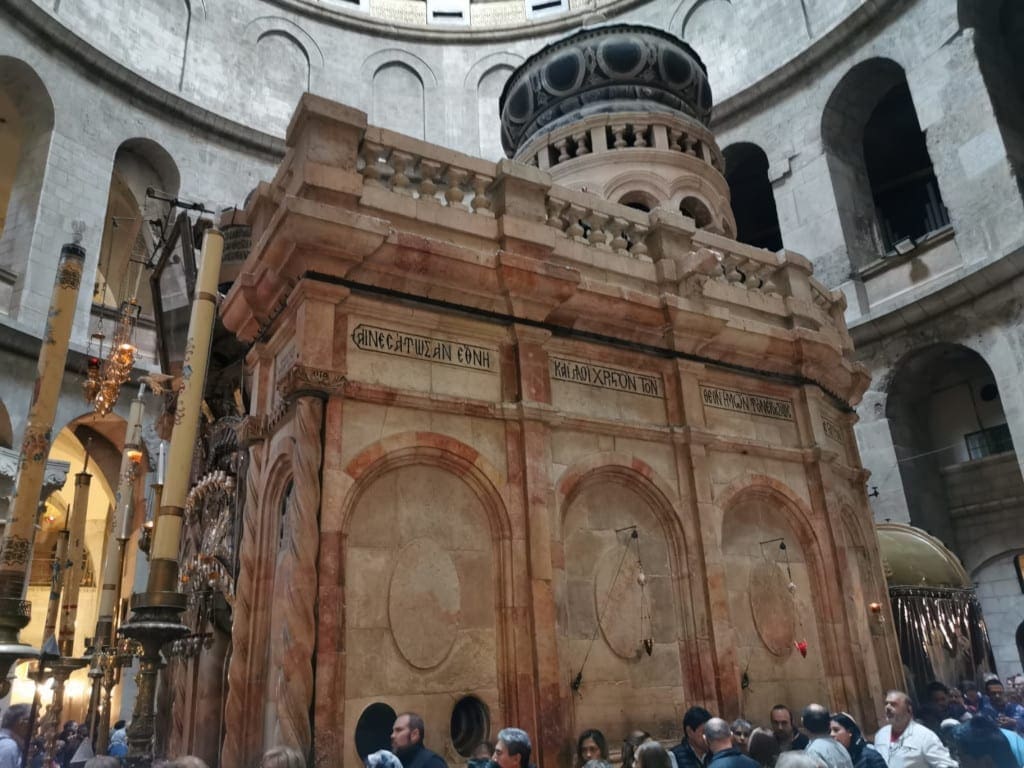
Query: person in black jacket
{"points": [[724, 754], [845, 730], [407, 743], [692, 751]]}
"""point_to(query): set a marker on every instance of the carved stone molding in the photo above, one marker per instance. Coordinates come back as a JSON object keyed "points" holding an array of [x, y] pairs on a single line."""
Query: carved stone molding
{"points": [[305, 378], [251, 430]]}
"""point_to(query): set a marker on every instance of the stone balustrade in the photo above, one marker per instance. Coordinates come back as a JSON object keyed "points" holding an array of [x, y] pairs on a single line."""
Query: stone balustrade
{"points": [[592, 221], [614, 132]]}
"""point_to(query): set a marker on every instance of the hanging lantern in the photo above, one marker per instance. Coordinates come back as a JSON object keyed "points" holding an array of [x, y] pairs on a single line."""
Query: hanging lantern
{"points": [[801, 645]]}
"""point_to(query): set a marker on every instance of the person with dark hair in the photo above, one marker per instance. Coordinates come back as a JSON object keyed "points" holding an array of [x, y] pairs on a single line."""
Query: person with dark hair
{"points": [[763, 747], [407, 736], [724, 753], [815, 720], [1005, 713], [972, 696], [846, 731], [591, 745], [904, 743], [480, 757], [939, 706], [651, 754], [692, 751], [785, 732], [513, 749], [979, 743], [13, 735]]}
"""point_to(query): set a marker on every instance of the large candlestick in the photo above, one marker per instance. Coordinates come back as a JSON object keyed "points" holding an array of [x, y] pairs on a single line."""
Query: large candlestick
{"points": [[56, 582], [155, 619], [19, 535], [74, 573]]}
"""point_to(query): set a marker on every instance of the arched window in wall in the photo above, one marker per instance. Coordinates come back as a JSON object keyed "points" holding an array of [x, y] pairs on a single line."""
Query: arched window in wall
{"points": [[488, 93], [697, 210], [26, 125], [999, 30], [753, 202], [879, 163], [280, 86], [398, 100], [129, 235]]}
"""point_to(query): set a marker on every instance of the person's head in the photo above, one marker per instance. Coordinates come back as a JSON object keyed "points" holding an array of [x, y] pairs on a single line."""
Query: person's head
{"points": [[15, 720], [938, 695], [407, 732], [513, 748], [282, 757], [651, 754], [898, 709], [591, 745], [741, 733], [482, 751], [995, 693], [845, 730], [630, 745], [102, 761], [971, 694], [119, 725], [763, 747], [980, 744], [956, 696], [815, 720], [693, 727], [717, 734], [187, 761], [798, 759], [382, 759], [782, 724]]}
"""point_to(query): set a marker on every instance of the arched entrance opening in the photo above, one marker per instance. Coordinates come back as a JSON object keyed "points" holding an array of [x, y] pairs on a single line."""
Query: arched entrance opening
{"points": [[753, 202]]}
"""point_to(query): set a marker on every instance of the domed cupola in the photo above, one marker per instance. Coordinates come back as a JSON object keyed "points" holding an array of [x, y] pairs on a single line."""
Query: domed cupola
{"points": [[622, 111]]}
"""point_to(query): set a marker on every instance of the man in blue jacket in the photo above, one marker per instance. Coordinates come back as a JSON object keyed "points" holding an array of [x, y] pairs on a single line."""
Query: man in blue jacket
{"points": [[724, 754]]}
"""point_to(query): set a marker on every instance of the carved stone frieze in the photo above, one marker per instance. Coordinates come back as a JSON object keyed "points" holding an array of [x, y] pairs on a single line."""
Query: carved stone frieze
{"points": [[306, 378]]}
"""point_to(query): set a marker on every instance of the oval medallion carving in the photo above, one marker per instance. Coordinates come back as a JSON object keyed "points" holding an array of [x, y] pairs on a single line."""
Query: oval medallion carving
{"points": [[772, 607], [424, 603], [619, 598]]}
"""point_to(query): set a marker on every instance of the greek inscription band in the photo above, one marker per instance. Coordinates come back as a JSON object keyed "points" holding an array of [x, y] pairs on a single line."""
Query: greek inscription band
{"points": [[388, 341], [743, 402], [577, 372]]}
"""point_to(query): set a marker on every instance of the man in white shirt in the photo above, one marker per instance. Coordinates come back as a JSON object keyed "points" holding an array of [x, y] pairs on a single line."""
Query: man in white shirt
{"points": [[905, 743]]}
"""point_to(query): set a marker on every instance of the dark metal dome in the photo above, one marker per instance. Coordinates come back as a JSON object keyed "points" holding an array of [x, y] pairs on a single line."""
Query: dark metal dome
{"points": [[606, 69]]}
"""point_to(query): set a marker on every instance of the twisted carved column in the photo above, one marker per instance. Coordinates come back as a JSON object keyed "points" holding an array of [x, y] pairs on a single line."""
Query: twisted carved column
{"points": [[237, 708], [302, 537]]}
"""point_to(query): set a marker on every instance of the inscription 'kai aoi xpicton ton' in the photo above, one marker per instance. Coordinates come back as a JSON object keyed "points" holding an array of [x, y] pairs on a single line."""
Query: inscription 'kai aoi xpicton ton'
{"points": [[578, 372]]}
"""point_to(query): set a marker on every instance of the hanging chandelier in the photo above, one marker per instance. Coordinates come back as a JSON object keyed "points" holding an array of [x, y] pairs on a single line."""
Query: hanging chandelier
{"points": [[117, 367]]}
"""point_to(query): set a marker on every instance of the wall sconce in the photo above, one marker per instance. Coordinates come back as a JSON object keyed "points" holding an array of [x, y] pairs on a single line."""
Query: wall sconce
{"points": [[876, 611]]}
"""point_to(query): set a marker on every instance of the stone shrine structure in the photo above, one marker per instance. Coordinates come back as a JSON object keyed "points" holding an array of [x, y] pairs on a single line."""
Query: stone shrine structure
{"points": [[521, 453]]}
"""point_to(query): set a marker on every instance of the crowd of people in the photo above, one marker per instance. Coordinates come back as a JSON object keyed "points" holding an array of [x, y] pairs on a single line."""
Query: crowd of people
{"points": [[966, 726]]}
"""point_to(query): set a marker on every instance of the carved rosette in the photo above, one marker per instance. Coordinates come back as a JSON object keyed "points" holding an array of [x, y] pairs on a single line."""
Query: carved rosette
{"points": [[301, 379], [295, 685]]}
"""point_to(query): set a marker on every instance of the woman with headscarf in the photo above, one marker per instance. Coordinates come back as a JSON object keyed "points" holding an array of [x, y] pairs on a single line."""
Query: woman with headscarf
{"points": [[845, 730]]}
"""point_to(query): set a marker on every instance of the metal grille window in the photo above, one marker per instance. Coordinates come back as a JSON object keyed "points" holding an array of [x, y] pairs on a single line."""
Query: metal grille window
{"points": [[989, 442]]}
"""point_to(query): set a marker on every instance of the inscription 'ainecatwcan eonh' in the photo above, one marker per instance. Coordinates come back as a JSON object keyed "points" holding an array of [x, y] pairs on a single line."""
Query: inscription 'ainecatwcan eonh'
{"points": [[741, 402], [391, 342], [577, 372]]}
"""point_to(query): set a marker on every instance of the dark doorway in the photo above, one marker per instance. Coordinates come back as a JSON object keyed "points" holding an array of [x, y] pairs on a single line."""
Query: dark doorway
{"points": [[373, 729], [753, 202]]}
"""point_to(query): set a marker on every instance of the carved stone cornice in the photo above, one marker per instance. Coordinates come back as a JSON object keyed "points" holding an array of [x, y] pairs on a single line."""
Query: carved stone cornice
{"points": [[305, 379], [53, 479], [251, 430]]}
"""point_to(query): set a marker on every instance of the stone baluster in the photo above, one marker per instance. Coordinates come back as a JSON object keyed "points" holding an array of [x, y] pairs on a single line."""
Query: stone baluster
{"points": [[455, 178], [598, 237], [555, 208], [481, 203], [619, 131], [675, 138], [575, 215], [688, 143], [562, 145], [402, 162], [618, 228], [639, 135], [375, 168], [637, 234], [430, 171], [581, 138]]}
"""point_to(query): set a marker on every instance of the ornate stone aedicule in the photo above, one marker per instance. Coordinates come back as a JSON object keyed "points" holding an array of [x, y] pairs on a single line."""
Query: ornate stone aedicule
{"points": [[503, 440]]}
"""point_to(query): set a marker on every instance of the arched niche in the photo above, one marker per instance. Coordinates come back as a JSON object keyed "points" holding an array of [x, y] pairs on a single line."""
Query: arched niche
{"points": [[604, 614], [753, 201], [25, 134], [398, 101], [886, 191], [768, 617], [488, 92], [423, 580]]}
